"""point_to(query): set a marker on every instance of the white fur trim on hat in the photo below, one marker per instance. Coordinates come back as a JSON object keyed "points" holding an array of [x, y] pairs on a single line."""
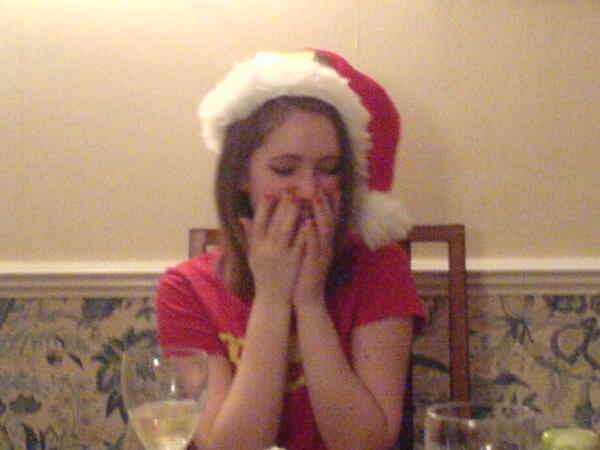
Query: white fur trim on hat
{"points": [[252, 83]]}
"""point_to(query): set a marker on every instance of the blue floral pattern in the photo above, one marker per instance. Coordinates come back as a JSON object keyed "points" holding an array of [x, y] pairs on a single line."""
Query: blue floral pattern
{"points": [[60, 359], [59, 379]]}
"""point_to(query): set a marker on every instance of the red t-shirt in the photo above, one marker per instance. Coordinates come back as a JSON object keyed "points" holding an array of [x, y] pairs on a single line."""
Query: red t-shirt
{"points": [[194, 308]]}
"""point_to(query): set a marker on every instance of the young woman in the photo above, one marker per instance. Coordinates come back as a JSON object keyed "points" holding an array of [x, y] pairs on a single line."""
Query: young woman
{"points": [[307, 310]]}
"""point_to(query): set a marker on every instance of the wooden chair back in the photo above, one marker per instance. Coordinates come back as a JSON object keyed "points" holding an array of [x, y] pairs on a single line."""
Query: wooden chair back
{"points": [[458, 349], [454, 237], [200, 240]]}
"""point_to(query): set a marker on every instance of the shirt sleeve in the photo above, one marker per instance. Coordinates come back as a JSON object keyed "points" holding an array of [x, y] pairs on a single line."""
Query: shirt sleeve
{"points": [[386, 286], [182, 316]]}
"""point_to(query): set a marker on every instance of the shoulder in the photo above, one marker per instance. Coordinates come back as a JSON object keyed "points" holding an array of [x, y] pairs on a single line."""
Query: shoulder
{"points": [[382, 283], [200, 268], [387, 266], [391, 255], [191, 284]]}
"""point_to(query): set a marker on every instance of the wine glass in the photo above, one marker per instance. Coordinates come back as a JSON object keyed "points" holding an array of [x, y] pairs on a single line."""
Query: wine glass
{"points": [[164, 390], [479, 426]]}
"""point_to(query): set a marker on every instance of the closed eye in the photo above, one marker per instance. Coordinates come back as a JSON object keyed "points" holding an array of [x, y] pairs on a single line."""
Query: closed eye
{"points": [[287, 165], [335, 170], [283, 170], [330, 166], [284, 165]]}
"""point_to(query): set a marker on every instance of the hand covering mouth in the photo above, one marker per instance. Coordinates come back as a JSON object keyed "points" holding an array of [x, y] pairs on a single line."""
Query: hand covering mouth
{"points": [[306, 213], [305, 210]]}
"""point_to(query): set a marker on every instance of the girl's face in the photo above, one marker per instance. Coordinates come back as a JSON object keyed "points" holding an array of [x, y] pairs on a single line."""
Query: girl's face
{"points": [[301, 155]]}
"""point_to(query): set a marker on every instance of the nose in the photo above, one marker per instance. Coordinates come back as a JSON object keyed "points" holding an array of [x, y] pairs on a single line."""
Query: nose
{"points": [[307, 185]]}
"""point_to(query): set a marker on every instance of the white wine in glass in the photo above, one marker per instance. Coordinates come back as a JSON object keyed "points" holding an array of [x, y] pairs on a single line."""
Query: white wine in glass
{"points": [[164, 390]]}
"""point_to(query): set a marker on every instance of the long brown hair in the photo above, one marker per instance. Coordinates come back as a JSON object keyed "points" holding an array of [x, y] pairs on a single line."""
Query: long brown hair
{"points": [[242, 138]]}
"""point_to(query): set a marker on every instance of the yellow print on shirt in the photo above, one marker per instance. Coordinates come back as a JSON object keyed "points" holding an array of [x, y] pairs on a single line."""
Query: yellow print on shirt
{"points": [[234, 347], [295, 377]]}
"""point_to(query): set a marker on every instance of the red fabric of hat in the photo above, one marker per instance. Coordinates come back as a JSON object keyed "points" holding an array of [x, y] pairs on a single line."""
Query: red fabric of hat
{"points": [[384, 127]]}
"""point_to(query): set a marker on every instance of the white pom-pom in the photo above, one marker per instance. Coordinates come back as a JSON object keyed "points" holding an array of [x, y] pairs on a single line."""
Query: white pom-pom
{"points": [[380, 218]]}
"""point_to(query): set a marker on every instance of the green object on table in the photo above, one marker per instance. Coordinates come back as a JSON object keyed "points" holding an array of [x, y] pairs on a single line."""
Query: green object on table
{"points": [[570, 439]]}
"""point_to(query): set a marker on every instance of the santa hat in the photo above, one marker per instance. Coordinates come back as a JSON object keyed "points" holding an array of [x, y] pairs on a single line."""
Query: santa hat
{"points": [[368, 113]]}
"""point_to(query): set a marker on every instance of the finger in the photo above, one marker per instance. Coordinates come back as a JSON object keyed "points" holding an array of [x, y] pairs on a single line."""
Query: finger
{"points": [[323, 217], [311, 237], [262, 215], [246, 226], [280, 211], [284, 220], [334, 200], [299, 245]]}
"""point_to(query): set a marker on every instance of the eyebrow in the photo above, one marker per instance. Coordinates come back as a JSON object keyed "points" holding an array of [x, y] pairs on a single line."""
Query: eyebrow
{"points": [[293, 157], [285, 158]]}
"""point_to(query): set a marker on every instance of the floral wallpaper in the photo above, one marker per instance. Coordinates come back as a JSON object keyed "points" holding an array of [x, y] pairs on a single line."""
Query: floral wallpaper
{"points": [[60, 357], [59, 370], [542, 351]]}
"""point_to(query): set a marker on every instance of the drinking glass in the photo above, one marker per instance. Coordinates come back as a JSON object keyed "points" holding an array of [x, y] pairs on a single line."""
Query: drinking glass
{"points": [[164, 390], [479, 426]]}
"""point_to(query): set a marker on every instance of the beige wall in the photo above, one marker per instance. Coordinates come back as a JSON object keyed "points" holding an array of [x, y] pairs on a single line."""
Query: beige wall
{"points": [[100, 152]]}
